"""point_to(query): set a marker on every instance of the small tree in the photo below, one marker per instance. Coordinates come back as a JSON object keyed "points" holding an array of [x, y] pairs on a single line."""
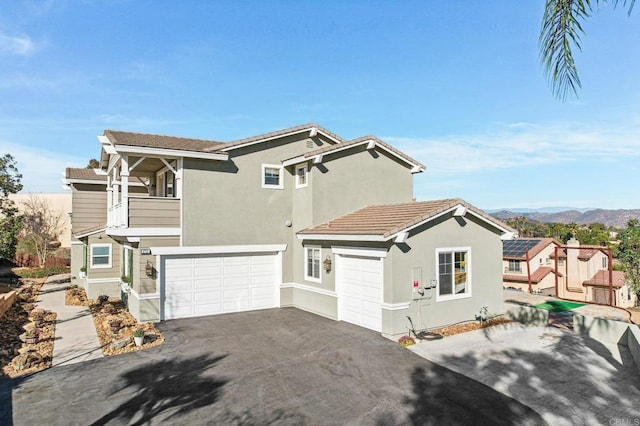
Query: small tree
{"points": [[93, 164], [9, 218], [629, 255], [41, 227]]}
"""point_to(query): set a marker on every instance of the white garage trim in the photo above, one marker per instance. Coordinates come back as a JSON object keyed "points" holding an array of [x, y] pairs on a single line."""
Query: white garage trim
{"points": [[312, 289], [256, 248], [396, 306], [359, 251]]}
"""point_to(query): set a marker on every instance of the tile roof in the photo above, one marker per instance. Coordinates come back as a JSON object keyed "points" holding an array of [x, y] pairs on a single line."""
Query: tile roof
{"points": [[331, 148], [536, 276], [586, 252], [84, 174], [540, 244], [275, 134], [162, 142], [386, 220], [601, 279]]}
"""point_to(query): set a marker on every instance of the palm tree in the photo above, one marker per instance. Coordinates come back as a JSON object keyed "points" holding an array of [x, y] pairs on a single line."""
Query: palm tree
{"points": [[560, 33]]}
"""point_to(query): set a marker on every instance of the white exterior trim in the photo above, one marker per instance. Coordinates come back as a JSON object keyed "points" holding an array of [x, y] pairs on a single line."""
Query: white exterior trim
{"points": [[102, 280], [144, 232], [341, 237], [304, 167], [147, 296], [360, 251], [110, 256], [186, 250], [164, 152], [306, 262], [77, 243], [396, 306], [310, 288], [308, 129], [468, 270], [86, 234], [280, 184]]}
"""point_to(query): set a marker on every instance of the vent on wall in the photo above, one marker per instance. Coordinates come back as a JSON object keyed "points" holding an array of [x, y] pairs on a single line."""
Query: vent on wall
{"points": [[309, 143]]}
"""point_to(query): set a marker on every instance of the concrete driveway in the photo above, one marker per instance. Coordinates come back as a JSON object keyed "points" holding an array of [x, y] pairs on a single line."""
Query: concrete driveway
{"points": [[279, 366], [567, 378]]}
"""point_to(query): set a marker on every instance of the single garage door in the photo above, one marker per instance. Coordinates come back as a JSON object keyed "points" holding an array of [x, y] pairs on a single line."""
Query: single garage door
{"points": [[207, 285], [360, 290]]}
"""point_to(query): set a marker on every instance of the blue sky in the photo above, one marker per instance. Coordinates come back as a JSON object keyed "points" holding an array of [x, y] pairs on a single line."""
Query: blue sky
{"points": [[455, 84]]}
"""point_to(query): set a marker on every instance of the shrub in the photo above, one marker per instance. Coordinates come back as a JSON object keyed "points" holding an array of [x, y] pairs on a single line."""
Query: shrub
{"points": [[138, 332], [41, 272], [406, 341], [102, 299]]}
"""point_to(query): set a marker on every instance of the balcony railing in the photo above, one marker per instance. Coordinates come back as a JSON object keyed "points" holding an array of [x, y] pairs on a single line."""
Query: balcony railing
{"points": [[146, 212]]}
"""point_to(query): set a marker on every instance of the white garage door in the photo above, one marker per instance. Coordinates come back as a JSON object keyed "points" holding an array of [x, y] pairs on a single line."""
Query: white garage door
{"points": [[208, 285], [360, 290]]}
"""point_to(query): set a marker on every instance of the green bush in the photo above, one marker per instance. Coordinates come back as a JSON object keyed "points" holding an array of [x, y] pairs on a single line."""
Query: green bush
{"points": [[41, 272]]}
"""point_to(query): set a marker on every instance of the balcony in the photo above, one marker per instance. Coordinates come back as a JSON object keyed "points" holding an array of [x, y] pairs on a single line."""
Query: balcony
{"points": [[145, 212]]}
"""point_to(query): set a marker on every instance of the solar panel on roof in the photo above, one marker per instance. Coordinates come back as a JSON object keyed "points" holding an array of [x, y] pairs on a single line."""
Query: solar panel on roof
{"points": [[517, 248]]}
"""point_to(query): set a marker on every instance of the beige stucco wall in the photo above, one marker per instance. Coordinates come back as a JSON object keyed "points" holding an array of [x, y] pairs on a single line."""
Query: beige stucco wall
{"points": [[60, 205]]}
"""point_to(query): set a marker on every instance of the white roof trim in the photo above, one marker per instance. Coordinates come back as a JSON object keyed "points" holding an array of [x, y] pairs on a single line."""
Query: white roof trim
{"points": [[144, 232], [360, 251], [341, 237], [254, 248], [307, 129], [297, 160], [401, 237], [163, 152], [86, 234]]}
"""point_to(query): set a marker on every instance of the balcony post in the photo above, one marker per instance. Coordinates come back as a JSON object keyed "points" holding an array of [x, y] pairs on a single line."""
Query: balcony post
{"points": [[124, 179]]}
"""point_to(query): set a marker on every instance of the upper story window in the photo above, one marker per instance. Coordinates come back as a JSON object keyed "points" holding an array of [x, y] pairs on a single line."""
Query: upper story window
{"points": [[302, 176], [605, 263], [272, 176], [101, 256], [454, 273], [514, 266]]}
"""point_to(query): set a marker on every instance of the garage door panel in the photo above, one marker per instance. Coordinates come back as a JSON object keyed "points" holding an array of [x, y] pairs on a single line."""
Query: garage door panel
{"points": [[361, 290], [207, 285]]}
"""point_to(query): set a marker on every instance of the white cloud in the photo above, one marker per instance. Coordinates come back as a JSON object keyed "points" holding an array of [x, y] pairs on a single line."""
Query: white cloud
{"points": [[522, 144], [41, 170], [16, 45]]}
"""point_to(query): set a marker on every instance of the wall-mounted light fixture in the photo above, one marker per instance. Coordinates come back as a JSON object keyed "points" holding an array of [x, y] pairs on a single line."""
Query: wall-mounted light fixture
{"points": [[148, 269], [327, 264]]}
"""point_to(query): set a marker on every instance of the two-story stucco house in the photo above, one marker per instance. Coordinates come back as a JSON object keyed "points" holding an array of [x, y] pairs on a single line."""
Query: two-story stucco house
{"points": [[299, 217], [528, 265]]}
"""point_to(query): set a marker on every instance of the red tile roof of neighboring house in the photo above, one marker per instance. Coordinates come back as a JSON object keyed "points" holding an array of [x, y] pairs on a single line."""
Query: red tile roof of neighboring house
{"points": [[536, 276], [386, 220], [586, 252], [601, 279], [84, 174], [162, 142]]}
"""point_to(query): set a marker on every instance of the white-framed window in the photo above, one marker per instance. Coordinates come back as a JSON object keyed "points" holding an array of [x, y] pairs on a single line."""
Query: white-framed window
{"points": [[605, 262], [454, 273], [302, 176], [100, 256], [312, 264], [514, 266], [272, 176]]}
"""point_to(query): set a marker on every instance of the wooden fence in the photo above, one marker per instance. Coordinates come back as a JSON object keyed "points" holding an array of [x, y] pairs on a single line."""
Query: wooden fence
{"points": [[31, 261]]}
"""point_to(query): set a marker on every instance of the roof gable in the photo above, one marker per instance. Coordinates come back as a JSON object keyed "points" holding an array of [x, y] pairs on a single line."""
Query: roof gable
{"points": [[73, 174], [159, 141], [384, 222]]}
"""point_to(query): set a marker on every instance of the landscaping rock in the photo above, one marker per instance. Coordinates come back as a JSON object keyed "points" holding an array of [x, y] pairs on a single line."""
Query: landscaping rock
{"points": [[27, 360], [120, 343], [58, 279]]}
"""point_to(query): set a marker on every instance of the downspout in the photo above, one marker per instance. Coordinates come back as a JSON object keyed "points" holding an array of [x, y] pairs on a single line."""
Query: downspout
{"points": [[610, 261], [555, 255], [526, 256]]}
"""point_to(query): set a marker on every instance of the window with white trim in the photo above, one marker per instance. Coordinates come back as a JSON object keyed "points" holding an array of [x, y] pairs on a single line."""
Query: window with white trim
{"points": [[514, 266], [302, 176], [101, 256], [272, 176], [454, 273], [312, 264], [605, 262]]}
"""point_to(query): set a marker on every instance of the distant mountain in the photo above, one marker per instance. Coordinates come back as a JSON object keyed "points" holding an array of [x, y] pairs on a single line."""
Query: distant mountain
{"points": [[538, 210], [618, 218]]}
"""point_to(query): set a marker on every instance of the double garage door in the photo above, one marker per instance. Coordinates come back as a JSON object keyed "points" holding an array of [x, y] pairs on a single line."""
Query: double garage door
{"points": [[360, 290], [216, 284]]}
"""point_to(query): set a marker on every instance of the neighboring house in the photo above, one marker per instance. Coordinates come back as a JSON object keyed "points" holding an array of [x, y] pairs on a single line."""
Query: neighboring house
{"points": [[299, 217], [588, 275], [528, 266], [59, 205]]}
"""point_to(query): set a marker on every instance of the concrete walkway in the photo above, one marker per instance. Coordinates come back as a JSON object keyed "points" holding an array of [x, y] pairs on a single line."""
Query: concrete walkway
{"points": [[567, 378], [76, 337]]}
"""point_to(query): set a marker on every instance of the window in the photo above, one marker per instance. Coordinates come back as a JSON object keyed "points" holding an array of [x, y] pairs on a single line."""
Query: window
{"points": [[514, 266], [560, 261], [169, 180], [605, 263], [100, 256], [454, 273], [312, 264], [301, 176], [272, 176]]}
